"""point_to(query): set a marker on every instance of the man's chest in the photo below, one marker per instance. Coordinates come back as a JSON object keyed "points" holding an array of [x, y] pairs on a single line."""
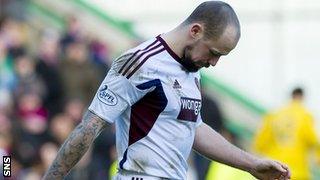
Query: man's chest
{"points": [[184, 97]]}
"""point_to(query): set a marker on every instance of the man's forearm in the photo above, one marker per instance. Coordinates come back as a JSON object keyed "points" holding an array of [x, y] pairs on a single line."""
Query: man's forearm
{"points": [[212, 145], [75, 146]]}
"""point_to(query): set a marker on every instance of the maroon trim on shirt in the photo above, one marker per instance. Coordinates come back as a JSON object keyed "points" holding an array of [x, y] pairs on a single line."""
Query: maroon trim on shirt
{"points": [[144, 60], [135, 53], [137, 58], [173, 54], [146, 111], [170, 51]]}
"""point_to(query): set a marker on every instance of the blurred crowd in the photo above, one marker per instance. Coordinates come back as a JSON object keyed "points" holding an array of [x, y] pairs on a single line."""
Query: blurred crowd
{"points": [[46, 81]]}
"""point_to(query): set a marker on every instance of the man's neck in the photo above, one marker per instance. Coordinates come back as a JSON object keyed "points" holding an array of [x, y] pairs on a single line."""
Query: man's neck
{"points": [[175, 40]]}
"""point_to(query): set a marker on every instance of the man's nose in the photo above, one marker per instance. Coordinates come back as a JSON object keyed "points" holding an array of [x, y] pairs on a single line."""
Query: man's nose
{"points": [[213, 61]]}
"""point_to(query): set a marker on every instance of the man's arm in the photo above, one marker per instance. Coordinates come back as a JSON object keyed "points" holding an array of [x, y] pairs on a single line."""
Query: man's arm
{"points": [[212, 145], [75, 146]]}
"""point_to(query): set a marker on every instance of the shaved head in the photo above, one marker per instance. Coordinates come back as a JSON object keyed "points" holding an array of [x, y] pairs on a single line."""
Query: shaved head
{"points": [[216, 16]]}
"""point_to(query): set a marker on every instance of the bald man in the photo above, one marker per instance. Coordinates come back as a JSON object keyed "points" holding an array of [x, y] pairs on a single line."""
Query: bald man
{"points": [[152, 95]]}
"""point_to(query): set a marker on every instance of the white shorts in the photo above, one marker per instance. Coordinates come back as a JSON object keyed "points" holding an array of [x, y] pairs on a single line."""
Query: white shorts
{"points": [[129, 175]]}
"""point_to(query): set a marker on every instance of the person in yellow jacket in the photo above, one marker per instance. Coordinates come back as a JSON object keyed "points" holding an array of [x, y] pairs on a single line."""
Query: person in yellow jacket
{"points": [[289, 135]]}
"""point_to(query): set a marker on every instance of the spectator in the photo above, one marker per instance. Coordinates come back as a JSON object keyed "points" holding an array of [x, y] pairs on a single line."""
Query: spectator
{"points": [[47, 152], [14, 35], [79, 76], [31, 113], [47, 68], [99, 54], [27, 78], [60, 127], [74, 108], [72, 33], [289, 135], [30, 129], [5, 145], [7, 78]]}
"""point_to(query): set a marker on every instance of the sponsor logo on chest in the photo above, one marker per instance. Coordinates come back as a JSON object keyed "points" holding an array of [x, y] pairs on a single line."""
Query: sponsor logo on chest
{"points": [[190, 109]]}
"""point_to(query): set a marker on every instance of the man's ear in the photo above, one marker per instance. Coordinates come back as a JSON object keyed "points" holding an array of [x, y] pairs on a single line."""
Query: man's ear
{"points": [[196, 31]]}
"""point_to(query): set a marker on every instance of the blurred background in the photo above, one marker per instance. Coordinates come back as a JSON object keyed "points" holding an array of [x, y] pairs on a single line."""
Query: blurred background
{"points": [[54, 54]]}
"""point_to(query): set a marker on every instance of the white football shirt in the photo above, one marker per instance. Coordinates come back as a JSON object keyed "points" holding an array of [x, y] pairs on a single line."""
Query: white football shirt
{"points": [[155, 103]]}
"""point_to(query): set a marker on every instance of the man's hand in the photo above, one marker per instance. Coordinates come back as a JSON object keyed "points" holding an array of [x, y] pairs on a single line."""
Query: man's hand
{"points": [[267, 169], [212, 145]]}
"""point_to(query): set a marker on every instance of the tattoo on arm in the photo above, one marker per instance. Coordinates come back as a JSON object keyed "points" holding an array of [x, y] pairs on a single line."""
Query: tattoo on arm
{"points": [[75, 146]]}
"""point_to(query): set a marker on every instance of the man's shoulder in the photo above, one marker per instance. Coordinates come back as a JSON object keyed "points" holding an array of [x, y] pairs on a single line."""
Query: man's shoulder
{"points": [[143, 45], [140, 59]]}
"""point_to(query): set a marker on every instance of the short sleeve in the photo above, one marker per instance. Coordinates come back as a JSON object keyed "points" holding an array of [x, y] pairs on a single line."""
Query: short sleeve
{"points": [[115, 94]]}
